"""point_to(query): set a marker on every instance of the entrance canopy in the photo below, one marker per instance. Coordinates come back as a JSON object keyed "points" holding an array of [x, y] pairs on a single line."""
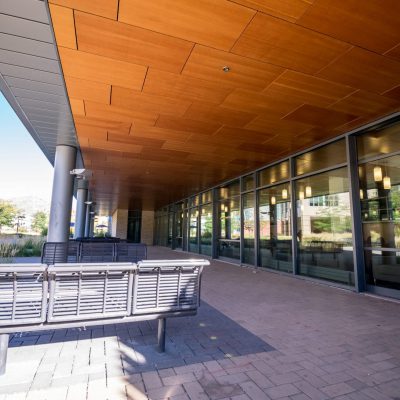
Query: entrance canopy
{"points": [[171, 97]]}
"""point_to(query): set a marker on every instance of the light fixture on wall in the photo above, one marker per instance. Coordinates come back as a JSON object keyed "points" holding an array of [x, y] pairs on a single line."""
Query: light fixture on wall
{"points": [[284, 194], [377, 174], [308, 191], [226, 209], [387, 184], [361, 194], [301, 195], [273, 200]]}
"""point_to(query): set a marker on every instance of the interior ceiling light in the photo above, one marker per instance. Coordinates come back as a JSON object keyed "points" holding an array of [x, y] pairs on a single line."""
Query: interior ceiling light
{"points": [[308, 191], [377, 174], [387, 183], [273, 200], [361, 194], [284, 194], [226, 68], [301, 195]]}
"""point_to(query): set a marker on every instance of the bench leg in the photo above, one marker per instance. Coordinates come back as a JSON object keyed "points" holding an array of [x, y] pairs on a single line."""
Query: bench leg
{"points": [[161, 334], [3, 352]]}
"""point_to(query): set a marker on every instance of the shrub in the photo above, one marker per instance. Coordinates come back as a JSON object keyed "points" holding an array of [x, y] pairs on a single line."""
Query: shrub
{"points": [[30, 247], [7, 252]]}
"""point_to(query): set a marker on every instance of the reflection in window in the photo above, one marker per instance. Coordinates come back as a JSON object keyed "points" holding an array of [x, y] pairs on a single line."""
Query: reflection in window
{"points": [[324, 231], [380, 213], [229, 228], [206, 222], [275, 228], [248, 182], [193, 230], [276, 173], [179, 226], [248, 228]]}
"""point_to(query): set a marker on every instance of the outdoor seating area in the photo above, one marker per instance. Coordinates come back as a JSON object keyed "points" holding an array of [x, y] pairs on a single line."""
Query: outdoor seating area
{"points": [[40, 297]]}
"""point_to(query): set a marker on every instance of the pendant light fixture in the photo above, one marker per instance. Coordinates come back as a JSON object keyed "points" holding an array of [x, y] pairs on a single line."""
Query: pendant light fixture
{"points": [[308, 191], [387, 184], [301, 195], [377, 174], [284, 194], [273, 200]]}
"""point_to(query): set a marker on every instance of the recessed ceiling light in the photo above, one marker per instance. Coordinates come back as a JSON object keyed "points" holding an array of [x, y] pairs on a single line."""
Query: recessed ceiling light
{"points": [[226, 68]]}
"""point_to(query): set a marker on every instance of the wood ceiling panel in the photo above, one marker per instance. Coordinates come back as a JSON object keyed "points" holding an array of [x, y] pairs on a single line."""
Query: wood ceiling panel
{"points": [[207, 64], [277, 126], [140, 101], [363, 69], [114, 146], [290, 10], [88, 90], [104, 8], [118, 114], [243, 135], [309, 89], [64, 26], [141, 141], [183, 87], [270, 103], [77, 106], [318, 116], [369, 24], [102, 69], [131, 44], [159, 133], [187, 125], [101, 123], [364, 103], [394, 53], [291, 46], [215, 24], [393, 93], [225, 116]]}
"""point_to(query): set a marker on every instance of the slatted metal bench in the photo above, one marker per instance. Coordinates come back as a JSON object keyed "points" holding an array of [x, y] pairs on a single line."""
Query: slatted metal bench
{"points": [[40, 297]]}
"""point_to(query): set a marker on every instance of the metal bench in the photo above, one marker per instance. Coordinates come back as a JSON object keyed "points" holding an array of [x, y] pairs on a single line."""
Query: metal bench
{"points": [[38, 297]]}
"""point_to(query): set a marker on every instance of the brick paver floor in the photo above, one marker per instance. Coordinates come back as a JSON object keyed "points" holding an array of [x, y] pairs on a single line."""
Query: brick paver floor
{"points": [[258, 335]]}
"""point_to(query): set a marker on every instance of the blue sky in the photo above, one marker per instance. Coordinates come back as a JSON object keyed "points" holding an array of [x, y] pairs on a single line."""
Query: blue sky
{"points": [[24, 170]]}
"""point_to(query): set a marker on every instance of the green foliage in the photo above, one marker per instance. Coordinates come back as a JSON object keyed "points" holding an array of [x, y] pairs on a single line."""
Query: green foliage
{"points": [[7, 252], [8, 212], [40, 222], [30, 247]]}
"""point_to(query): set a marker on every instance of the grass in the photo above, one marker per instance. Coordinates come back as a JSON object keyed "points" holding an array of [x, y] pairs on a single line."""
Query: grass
{"points": [[28, 246]]}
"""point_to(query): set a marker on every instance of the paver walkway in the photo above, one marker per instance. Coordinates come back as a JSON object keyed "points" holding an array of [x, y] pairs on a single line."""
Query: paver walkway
{"points": [[258, 335]]}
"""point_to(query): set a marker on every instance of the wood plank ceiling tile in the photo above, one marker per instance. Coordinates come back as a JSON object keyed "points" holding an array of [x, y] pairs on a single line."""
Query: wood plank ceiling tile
{"points": [[277, 126], [131, 44], [214, 24], [318, 116], [104, 8], [140, 101], [269, 103], [114, 146], [118, 114], [184, 87], [102, 69], [364, 103], [225, 116], [309, 89], [243, 135], [206, 63], [394, 52], [88, 90], [290, 10], [370, 24], [64, 26], [291, 46], [187, 125], [365, 70], [77, 106], [103, 123], [393, 93], [159, 133]]}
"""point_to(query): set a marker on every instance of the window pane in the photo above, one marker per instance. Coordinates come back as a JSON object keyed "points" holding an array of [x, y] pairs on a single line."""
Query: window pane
{"points": [[193, 238], [232, 189], [324, 227], [382, 268], [229, 228], [324, 157], [179, 226], [206, 222], [379, 142], [206, 197], [248, 228], [248, 182], [275, 228], [276, 173]]}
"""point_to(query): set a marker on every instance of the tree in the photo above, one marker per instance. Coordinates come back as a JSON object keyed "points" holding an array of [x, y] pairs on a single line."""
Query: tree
{"points": [[40, 222], [8, 212]]}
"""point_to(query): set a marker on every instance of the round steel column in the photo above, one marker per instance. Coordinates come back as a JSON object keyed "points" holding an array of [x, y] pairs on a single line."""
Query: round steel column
{"points": [[87, 215], [81, 197], [61, 198]]}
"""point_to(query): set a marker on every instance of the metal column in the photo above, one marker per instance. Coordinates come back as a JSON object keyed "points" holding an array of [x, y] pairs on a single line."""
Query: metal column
{"points": [[161, 334], [87, 215], [3, 352], [293, 219], [61, 198], [81, 197]]}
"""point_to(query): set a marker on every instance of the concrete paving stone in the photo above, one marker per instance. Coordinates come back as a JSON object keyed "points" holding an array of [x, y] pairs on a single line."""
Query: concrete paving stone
{"points": [[231, 379], [151, 380], [165, 392], [253, 391], [390, 388], [382, 365], [311, 391], [183, 396], [299, 396], [374, 394], [77, 391], [338, 377], [337, 389], [280, 379], [309, 377], [376, 357], [259, 379], [263, 367], [178, 379], [287, 389], [241, 397]]}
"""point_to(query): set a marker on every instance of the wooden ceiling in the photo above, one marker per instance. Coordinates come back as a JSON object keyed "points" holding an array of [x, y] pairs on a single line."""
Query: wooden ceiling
{"points": [[158, 118]]}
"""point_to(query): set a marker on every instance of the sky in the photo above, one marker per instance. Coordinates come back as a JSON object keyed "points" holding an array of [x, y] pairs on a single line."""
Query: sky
{"points": [[24, 169]]}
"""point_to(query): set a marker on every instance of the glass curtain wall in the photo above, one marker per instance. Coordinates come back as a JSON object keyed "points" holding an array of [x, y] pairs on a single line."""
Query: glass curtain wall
{"points": [[229, 221], [194, 224], [275, 228], [380, 206], [178, 234], [249, 227]]}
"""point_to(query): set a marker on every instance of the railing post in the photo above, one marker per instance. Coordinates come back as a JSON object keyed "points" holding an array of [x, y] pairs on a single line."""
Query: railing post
{"points": [[161, 334], [3, 352]]}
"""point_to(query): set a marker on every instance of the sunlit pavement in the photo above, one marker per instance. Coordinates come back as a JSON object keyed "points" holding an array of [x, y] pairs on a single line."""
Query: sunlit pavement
{"points": [[258, 335]]}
